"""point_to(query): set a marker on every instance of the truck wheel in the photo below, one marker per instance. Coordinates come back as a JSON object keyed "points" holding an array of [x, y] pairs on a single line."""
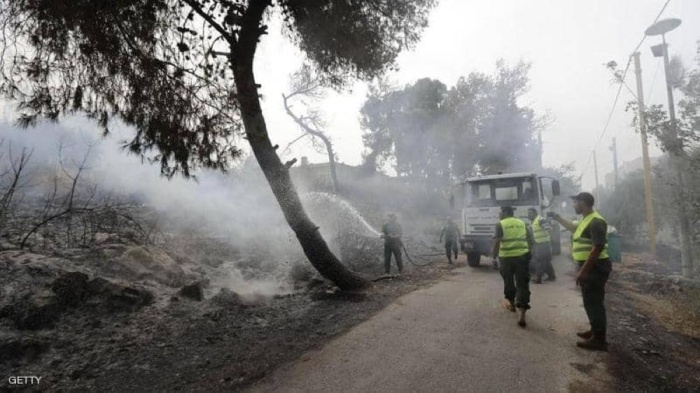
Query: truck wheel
{"points": [[473, 259], [556, 239]]}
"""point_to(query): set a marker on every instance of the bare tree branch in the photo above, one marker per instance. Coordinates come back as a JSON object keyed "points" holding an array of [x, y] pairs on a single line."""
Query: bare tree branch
{"points": [[16, 169], [306, 123]]}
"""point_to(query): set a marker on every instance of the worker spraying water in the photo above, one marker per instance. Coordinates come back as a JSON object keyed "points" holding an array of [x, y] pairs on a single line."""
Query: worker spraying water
{"points": [[391, 233]]}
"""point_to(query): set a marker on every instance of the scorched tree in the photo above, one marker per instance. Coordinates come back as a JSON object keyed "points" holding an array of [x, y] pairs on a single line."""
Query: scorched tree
{"points": [[180, 72]]}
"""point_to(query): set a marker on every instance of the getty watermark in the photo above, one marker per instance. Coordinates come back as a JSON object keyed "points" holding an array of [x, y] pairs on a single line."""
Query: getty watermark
{"points": [[24, 380]]}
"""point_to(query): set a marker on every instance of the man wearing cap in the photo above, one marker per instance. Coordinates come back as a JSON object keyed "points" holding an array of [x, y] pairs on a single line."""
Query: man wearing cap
{"points": [[590, 251], [451, 234], [512, 245], [391, 232], [542, 247]]}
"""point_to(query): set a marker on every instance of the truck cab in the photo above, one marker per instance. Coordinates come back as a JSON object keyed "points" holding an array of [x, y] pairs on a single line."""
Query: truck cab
{"points": [[483, 197]]}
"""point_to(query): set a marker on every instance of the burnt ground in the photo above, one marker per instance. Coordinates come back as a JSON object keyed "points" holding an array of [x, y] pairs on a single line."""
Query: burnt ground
{"points": [[654, 328], [178, 344], [113, 342]]}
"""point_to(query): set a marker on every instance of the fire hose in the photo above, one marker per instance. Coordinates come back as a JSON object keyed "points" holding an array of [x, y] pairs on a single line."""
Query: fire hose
{"points": [[414, 263], [408, 256]]}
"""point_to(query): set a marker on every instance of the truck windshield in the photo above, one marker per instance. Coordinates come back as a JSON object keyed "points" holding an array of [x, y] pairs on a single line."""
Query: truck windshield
{"points": [[515, 192]]}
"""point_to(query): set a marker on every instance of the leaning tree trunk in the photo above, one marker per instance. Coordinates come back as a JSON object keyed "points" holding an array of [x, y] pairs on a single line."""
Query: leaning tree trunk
{"points": [[277, 174]]}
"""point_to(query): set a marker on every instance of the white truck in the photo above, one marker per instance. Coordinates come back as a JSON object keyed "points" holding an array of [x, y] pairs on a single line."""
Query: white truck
{"points": [[483, 197]]}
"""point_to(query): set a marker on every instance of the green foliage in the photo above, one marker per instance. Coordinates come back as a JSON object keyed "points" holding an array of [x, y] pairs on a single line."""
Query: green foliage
{"points": [[355, 37], [672, 137], [666, 191], [508, 140], [690, 105], [468, 105], [166, 67], [569, 179], [437, 134], [408, 123], [136, 60], [624, 208], [680, 139]]}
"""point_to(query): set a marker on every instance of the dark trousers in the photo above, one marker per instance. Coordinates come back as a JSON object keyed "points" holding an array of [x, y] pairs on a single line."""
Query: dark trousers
{"points": [[542, 259], [451, 247], [593, 291], [395, 249], [516, 279]]}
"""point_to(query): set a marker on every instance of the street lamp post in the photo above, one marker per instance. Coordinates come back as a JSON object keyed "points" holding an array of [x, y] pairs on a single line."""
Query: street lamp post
{"points": [[661, 28]]}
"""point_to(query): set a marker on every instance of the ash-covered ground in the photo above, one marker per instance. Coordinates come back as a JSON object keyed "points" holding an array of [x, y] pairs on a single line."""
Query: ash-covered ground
{"points": [[124, 296], [654, 323], [120, 316]]}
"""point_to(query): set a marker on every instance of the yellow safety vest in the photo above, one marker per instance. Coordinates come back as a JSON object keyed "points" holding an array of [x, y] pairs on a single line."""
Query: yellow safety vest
{"points": [[582, 246], [540, 234], [514, 241]]}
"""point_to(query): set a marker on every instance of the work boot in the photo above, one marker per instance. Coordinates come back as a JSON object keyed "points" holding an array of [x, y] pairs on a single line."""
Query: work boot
{"points": [[537, 280], [509, 305], [595, 343], [521, 320], [585, 335]]}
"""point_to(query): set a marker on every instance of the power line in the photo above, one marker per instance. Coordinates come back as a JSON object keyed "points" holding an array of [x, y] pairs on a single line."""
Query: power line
{"points": [[619, 90], [607, 124], [653, 81]]}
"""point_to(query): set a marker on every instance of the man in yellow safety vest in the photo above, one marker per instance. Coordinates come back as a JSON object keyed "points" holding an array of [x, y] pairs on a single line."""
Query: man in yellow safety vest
{"points": [[542, 248], [512, 244], [590, 250]]}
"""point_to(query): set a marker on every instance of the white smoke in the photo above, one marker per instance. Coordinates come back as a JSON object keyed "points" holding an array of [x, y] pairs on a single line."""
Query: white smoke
{"points": [[238, 208]]}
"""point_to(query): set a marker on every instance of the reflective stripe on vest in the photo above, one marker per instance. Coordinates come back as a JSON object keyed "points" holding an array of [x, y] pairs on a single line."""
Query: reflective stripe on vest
{"points": [[514, 241], [540, 234], [582, 246]]}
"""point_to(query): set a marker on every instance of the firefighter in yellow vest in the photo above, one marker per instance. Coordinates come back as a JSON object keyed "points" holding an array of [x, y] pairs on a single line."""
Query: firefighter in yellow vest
{"points": [[542, 248], [512, 245], [590, 251]]}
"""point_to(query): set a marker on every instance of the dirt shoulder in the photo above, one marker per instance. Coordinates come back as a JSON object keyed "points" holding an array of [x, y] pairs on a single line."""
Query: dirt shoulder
{"points": [[654, 329]]}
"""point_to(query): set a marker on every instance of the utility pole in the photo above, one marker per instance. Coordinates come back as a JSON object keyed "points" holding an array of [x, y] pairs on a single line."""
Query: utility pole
{"points": [[648, 197], [613, 148], [595, 170]]}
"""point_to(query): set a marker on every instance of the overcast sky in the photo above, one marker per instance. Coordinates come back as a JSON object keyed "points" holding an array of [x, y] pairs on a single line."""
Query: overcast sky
{"points": [[567, 41]]}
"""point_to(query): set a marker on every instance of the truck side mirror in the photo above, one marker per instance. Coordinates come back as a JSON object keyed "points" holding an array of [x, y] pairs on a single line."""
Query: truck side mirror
{"points": [[556, 190]]}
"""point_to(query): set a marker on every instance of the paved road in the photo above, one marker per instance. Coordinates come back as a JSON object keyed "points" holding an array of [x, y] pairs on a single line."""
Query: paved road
{"points": [[456, 337]]}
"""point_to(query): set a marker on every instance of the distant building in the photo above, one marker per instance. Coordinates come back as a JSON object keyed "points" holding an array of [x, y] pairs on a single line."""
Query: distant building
{"points": [[317, 177]]}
